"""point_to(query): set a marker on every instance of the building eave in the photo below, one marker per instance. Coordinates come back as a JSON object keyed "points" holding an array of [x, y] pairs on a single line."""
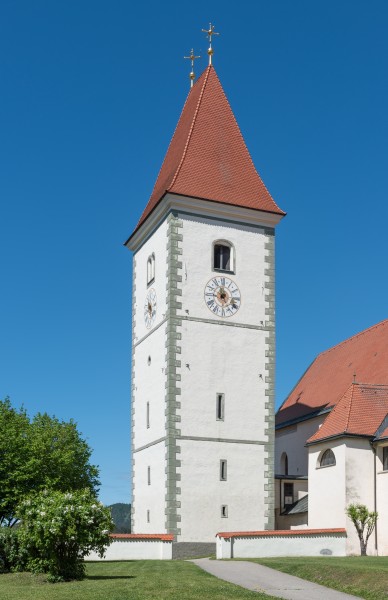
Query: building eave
{"points": [[311, 415], [202, 207], [338, 436]]}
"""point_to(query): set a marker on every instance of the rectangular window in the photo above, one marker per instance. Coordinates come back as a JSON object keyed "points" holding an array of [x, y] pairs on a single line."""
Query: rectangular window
{"points": [[385, 458], [224, 511], [288, 493], [220, 407], [149, 475], [223, 470], [148, 516], [148, 415]]}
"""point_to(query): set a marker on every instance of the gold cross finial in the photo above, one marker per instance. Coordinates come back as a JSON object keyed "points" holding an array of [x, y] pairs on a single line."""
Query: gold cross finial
{"points": [[210, 32], [192, 57]]}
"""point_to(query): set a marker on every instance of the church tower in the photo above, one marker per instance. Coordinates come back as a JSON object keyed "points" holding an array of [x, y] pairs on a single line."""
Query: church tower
{"points": [[203, 352]]}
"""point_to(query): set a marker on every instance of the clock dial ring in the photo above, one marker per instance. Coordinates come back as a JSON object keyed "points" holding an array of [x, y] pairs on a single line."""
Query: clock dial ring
{"points": [[222, 296], [150, 306]]}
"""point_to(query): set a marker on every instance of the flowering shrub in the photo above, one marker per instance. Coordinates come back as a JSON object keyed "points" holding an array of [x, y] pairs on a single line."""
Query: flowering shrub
{"points": [[59, 529]]}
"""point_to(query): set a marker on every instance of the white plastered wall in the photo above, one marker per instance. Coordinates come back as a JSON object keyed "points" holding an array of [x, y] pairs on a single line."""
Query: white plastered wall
{"points": [[327, 487], [198, 237], [359, 486], [292, 440], [156, 244], [228, 361], [150, 496], [148, 385], [333, 488], [204, 493], [382, 504]]}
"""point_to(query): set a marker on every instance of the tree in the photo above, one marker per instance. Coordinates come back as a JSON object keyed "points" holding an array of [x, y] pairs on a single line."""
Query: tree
{"points": [[364, 522], [44, 453], [14, 477], [121, 515], [58, 529]]}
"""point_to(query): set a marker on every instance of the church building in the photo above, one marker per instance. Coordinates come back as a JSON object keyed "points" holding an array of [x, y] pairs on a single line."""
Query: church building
{"points": [[203, 326], [332, 440]]}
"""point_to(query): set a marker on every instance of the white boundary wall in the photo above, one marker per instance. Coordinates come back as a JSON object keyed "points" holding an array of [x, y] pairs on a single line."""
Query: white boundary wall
{"points": [[302, 542], [136, 547]]}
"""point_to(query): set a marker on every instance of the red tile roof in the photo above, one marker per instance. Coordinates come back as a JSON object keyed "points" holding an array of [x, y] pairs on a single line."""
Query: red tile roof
{"points": [[331, 373], [279, 532], [166, 537], [207, 157], [360, 411]]}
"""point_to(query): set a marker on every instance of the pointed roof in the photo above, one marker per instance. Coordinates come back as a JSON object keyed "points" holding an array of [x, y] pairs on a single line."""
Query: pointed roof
{"points": [[331, 373], [207, 157], [359, 412]]}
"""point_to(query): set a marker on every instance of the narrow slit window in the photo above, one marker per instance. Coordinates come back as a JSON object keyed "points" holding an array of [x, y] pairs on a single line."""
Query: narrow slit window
{"points": [[148, 516], [385, 458], [224, 511], [223, 258], [148, 415], [223, 470], [220, 407], [288, 493], [149, 475]]}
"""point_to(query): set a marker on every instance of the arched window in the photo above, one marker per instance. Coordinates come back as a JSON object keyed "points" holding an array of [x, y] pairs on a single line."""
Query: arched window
{"points": [[327, 459], [223, 256], [284, 463], [150, 269]]}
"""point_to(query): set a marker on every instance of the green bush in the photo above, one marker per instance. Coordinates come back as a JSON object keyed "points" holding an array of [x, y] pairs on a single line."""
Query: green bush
{"points": [[59, 529], [12, 556]]}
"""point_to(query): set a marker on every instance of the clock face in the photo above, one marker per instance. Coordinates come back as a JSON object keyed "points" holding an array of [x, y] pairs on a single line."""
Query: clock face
{"points": [[222, 296], [150, 308]]}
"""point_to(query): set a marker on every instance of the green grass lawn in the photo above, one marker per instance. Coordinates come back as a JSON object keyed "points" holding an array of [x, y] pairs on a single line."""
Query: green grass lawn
{"points": [[137, 580], [365, 576]]}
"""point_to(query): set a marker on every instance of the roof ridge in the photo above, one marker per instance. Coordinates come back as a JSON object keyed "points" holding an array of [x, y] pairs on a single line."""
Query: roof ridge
{"points": [[350, 405], [383, 322], [171, 140], [207, 72], [371, 384]]}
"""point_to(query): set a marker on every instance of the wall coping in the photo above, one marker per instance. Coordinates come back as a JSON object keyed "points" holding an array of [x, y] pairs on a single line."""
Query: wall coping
{"points": [[165, 537], [280, 533]]}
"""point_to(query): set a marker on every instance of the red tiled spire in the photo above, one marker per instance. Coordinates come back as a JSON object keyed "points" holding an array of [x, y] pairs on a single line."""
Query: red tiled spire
{"points": [[359, 412], [328, 377], [207, 157]]}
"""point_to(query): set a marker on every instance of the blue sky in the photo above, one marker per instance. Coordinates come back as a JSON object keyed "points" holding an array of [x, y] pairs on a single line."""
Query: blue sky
{"points": [[90, 94]]}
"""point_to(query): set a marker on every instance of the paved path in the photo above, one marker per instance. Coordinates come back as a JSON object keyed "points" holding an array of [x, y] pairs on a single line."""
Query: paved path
{"points": [[263, 579]]}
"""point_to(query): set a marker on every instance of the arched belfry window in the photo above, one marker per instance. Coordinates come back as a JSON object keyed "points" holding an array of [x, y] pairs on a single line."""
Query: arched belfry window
{"points": [[327, 459], [223, 256], [150, 269]]}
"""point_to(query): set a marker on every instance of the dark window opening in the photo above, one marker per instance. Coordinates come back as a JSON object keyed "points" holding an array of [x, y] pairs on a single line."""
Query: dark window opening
{"points": [[223, 470], [220, 407], [222, 257], [288, 493], [327, 459], [385, 458]]}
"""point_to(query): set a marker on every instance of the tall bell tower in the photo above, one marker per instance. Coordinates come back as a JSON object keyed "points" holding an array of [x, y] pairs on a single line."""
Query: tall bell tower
{"points": [[203, 347]]}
